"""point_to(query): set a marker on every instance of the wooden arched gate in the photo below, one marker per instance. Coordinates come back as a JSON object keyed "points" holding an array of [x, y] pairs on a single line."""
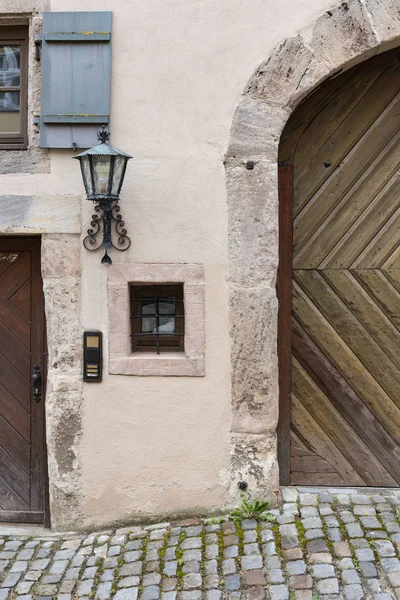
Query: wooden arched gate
{"points": [[339, 281]]}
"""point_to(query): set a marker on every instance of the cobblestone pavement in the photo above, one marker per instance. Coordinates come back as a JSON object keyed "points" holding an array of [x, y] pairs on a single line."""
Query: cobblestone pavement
{"points": [[323, 546]]}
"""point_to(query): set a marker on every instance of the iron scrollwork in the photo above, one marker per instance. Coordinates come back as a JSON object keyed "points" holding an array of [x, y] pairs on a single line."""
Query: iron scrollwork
{"points": [[107, 228]]}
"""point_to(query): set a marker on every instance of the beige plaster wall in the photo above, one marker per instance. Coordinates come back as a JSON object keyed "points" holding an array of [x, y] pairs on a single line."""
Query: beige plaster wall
{"points": [[147, 445], [155, 446]]}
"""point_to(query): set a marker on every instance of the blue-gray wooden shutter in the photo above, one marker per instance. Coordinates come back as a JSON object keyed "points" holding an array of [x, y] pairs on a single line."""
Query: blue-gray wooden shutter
{"points": [[76, 78]]}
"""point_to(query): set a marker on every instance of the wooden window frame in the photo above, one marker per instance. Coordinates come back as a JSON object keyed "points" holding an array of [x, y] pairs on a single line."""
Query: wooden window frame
{"points": [[148, 343], [18, 36]]}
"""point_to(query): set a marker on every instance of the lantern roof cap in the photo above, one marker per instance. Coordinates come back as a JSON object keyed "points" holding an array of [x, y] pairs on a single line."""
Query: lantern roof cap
{"points": [[103, 149]]}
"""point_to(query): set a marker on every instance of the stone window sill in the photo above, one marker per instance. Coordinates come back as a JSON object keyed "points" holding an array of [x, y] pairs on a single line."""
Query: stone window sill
{"points": [[172, 366]]}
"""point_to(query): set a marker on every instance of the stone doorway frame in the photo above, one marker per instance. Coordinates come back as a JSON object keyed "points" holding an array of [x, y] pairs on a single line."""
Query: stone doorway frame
{"points": [[342, 37]]}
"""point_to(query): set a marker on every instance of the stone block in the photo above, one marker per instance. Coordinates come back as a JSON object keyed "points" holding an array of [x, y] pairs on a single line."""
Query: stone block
{"points": [[254, 363], [364, 554], [353, 592], [256, 129], [251, 549], [275, 576], [317, 546], [232, 582], [385, 18], [322, 571], [61, 255], [278, 78], [312, 523], [251, 562], [341, 549], [344, 33], [279, 592], [368, 569], [255, 593], [390, 565], [309, 499], [309, 511], [328, 586], [313, 534], [370, 522], [364, 510], [253, 578], [300, 582], [289, 494], [253, 222], [297, 567], [354, 530], [253, 459], [385, 548], [350, 576], [320, 558], [40, 214], [293, 554]]}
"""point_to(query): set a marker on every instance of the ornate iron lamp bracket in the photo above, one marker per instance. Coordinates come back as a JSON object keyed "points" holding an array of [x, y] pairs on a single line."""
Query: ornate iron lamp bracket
{"points": [[107, 229]]}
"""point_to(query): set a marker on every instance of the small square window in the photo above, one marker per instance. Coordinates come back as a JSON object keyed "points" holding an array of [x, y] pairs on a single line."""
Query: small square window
{"points": [[157, 318], [136, 299], [13, 87]]}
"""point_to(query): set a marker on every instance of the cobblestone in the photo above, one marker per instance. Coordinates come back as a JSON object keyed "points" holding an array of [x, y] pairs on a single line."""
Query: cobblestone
{"points": [[326, 545]]}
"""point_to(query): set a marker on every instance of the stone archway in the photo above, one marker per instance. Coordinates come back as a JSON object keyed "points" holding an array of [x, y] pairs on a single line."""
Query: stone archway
{"points": [[345, 35]]}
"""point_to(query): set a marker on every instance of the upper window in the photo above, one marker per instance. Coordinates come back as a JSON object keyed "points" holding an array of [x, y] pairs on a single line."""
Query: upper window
{"points": [[13, 87], [157, 318]]}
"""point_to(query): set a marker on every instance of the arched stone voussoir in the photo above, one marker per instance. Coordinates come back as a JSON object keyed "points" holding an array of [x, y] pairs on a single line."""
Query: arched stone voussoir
{"points": [[256, 130], [275, 81], [385, 19], [344, 35]]}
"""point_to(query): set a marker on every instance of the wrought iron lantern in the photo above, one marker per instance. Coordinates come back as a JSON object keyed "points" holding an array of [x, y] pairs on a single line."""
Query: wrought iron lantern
{"points": [[103, 170]]}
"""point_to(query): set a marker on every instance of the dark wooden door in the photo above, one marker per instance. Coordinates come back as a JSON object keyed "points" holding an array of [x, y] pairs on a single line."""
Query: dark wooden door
{"points": [[345, 332], [22, 464]]}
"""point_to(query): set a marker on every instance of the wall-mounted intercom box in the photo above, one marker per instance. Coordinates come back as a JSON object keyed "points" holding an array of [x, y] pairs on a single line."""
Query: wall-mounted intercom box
{"points": [[92, 356]]}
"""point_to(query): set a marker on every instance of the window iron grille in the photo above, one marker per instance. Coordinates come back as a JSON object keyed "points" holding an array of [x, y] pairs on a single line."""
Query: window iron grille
{"points": [[157, 321]]}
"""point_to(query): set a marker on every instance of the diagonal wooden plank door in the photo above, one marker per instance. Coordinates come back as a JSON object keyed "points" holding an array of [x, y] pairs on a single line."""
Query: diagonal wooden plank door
{"points": [[22, 464], [345, 337]]}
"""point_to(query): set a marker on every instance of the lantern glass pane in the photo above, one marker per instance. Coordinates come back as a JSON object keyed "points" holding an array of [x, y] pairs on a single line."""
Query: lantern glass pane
{"points": [[118, 174], [101, 168], [87, 179]]}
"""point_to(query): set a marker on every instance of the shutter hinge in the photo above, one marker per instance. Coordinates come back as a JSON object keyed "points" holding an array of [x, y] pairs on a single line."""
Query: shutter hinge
{"points": [[38, 46]]}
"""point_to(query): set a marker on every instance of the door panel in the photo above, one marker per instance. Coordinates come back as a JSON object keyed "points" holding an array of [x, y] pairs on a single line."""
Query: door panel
{"points": [[22, 464], [345, 300]]}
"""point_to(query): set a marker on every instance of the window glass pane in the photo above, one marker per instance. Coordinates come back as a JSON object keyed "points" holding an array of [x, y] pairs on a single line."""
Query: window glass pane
{"points": [[101, 168], [148, 325], [9, 66], [166, 307], [157, 320], [167, 325], [85, 166], [148, 307], [10, 115], [118, 169]]}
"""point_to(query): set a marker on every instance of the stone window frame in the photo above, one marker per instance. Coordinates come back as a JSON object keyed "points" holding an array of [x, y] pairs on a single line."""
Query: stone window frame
{"points": [[33, 159], [121, 361]]}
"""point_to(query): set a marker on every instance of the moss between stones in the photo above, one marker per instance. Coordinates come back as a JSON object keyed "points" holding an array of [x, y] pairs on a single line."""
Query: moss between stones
{"points": [[179, 560], [161, 553], [301, 532], [278, 541]]}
